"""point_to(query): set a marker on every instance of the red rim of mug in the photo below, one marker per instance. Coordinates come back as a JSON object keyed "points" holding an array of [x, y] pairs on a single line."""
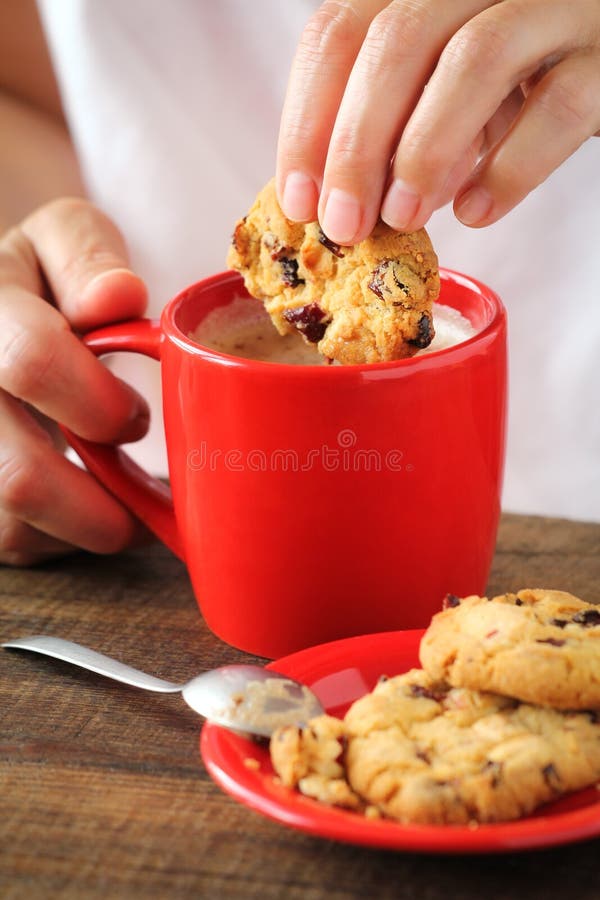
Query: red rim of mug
{"points": [[495, 307]]}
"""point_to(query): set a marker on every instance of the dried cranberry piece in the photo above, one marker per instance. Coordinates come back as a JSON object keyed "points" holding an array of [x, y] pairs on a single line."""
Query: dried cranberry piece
{"points": [[495, 770], [308, 321], [551, 777], [335, 248], [235, 237], [555, 642], [343, 742], [450, 600], [417, 690], [382, 282], [376, 283], [424, 333], [587, 617], [290, 271], [277, 249]]}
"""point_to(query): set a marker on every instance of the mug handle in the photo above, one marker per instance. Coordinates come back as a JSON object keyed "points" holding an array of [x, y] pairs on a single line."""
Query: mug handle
{"points": [[147, 497]]}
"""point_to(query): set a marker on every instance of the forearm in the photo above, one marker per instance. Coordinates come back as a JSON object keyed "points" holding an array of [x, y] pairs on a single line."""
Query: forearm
{"points": [[37, 160]]}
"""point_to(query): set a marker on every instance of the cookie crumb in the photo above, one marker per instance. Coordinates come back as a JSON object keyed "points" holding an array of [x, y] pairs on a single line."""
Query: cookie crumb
{"points": [[372, 812]]}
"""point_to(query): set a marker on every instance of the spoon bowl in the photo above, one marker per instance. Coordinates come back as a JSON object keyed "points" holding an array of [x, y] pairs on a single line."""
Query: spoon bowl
{"points": [[244, 698]]}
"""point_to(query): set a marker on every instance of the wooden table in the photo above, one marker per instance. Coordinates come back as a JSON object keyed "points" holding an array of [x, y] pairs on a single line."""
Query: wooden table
{"points": [[103, 793]]}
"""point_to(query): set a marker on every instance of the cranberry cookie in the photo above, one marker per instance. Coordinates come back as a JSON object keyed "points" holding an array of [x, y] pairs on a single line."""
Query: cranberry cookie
{"points": [[536, 645], [417, 750], [362, 304]]}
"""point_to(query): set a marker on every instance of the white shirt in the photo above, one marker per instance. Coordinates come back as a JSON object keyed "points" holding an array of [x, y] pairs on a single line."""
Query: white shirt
{"points": [[174, 109]]}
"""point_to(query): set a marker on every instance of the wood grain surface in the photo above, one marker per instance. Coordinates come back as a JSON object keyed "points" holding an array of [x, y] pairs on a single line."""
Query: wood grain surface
{"points": [[102, 790]]}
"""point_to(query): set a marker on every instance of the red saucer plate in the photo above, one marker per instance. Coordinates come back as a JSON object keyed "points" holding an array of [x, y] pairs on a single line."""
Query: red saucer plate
{"points": [[339, 673]]}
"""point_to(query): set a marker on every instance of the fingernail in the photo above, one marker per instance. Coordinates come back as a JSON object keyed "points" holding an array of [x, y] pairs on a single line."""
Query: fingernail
{"points": [[136, 425], [118, 292], [95, 280], [299, 200], [473, 206], [400, 205], [341, 219]]}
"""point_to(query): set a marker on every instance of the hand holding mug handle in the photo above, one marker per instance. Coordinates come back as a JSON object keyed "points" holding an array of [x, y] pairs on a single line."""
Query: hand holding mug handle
{"points": [[146, 496]]}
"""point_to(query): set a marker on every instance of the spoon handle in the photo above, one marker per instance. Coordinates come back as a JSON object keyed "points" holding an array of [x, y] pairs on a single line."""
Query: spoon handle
{"points": [[70, 652]]}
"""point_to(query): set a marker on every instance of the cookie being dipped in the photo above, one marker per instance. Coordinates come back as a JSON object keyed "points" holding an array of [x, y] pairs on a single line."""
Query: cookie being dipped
{"points": [[368, 303]]}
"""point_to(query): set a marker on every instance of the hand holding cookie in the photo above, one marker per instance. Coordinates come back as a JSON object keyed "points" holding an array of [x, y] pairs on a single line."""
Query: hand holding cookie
{"points": [[397, 108]]}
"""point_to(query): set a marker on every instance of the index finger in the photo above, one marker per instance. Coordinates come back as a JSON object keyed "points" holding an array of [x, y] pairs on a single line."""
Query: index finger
{"points": [[323, 61], [43, 363]]}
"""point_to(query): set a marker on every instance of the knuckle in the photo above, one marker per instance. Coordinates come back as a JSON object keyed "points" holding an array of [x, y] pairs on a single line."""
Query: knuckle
{"points": [[27, 363], [66, 206], [14, 242], [19, 484], [480, 48], [298, 134], [327, 31], [54, 213], [352, 150], [92, 257], [61, 208], [18, 263], [99, 242], [567, 98], [398, 31], [14, 539], [425, 158]]}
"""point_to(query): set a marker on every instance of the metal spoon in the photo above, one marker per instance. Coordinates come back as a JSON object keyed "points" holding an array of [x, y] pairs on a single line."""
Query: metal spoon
{"points": [[244, 698]]}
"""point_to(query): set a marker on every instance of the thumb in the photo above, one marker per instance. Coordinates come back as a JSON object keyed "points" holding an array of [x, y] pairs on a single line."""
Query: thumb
{"points": [[85, 262]]}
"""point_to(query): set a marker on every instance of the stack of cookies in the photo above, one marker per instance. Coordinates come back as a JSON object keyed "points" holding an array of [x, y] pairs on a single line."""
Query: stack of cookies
{"points": [[503, 717]]}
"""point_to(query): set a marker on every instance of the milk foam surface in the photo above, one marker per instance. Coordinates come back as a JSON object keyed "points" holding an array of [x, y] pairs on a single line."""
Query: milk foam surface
{"points": [[243, 328]]}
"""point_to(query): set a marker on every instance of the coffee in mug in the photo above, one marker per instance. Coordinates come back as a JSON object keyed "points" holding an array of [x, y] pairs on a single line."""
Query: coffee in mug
{"points": [[243, 328]]}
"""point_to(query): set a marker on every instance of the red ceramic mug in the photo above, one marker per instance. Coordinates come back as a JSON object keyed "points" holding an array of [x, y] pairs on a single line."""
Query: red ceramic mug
{"points": [[312, 503]]}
